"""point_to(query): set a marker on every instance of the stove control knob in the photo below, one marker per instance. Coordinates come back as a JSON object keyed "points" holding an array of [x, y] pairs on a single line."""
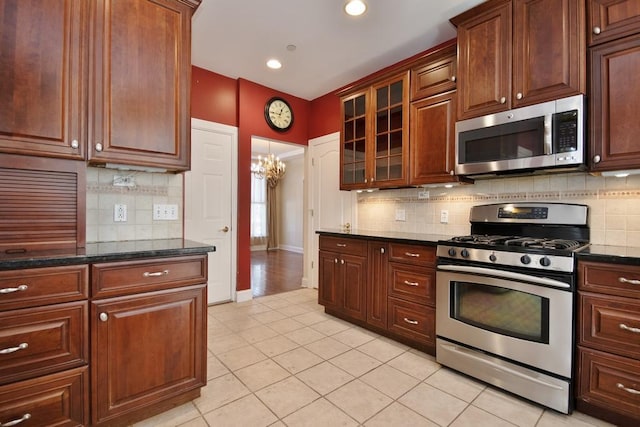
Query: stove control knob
{"points": [[545, 262], [525, 259], [464, 253], [452, 252], [493, 257]]}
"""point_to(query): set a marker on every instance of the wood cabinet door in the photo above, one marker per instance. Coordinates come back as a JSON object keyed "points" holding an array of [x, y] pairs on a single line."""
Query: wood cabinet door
{"points": [[140, 67], [378, 270], [548, 50], [353, 140], [484, 61], [612, 19], [432, 157], [146, 349], [613, 105], [42, 92], [389, 142], [328, 285], [354, 286]]}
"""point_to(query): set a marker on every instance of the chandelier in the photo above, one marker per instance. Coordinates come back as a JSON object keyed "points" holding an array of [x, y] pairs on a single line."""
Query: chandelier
{"points": [[270, 167]]}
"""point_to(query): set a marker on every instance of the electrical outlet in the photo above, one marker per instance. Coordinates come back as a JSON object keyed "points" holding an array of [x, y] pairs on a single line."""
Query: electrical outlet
{"points": [[120, 213], [423, 194], [401, 215], [165, 212], [444, 216]]}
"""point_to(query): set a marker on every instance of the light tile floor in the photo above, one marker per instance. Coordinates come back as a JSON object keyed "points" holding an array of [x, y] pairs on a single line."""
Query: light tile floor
{"points": [[280, 361]]}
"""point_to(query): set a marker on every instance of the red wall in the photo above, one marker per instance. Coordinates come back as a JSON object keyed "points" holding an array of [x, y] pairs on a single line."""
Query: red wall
{"points": [[213, 97], [325, 116]]}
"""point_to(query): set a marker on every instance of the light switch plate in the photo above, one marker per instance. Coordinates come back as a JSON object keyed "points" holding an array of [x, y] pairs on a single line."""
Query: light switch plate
{"points": [[444, 216], [163, 212]]}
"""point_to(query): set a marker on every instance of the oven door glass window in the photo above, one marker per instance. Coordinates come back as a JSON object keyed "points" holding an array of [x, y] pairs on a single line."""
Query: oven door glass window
{"points": [[501, 310]]}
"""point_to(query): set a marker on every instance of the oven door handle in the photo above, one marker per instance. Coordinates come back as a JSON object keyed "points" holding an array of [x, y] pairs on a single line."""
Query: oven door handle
{"points": [[504, 274]]}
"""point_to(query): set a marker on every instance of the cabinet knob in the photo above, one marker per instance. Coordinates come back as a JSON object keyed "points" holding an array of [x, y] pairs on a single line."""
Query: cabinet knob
{"points": [[365, 180], [98, 147], [596, 159], [503, 100], [451, 172], [335, 260], [373, 179], [519, 95], [104, 317], [381, 250], [75, 144], [341, 261], [453, 78], [596, 30]]}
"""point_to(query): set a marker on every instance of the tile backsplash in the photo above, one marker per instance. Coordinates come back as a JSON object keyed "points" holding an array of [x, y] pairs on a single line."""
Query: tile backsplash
{"points": [[148, 189], [614, 204]]}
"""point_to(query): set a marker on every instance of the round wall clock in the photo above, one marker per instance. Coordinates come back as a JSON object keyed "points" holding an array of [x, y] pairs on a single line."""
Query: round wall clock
{"points": [[278, 114]]}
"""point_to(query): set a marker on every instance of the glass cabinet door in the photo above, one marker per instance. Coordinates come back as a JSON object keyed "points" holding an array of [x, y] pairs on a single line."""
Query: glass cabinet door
{"points": [[354, 129], [390, 132]]}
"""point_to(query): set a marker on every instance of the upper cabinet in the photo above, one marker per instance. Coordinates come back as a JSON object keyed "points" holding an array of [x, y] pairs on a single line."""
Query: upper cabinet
{"points": [[614, 59], [139, 86], [612, 19], [513, 53], [112, 75], [42, 85], [374, 150]]}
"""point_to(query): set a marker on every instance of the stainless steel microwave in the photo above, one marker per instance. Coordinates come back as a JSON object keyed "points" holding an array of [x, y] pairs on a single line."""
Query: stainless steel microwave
{"points": [[528, 139]]}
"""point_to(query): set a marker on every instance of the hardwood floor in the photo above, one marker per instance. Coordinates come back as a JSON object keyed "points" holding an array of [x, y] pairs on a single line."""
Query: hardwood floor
{"points": [[275, 271]]}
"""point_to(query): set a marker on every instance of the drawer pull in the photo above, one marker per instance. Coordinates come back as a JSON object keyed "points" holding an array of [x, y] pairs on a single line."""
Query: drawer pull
{"points": [[629, 328], [10, 350], [628, 390], [629, 281], [406, 282], [411, 322], [12, 290], [341, 245], [25, 417], [155, 273], [412, 255]]}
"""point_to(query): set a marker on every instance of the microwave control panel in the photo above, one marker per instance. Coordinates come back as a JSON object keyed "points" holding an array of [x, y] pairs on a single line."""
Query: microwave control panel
{"points": [[565, 129]]}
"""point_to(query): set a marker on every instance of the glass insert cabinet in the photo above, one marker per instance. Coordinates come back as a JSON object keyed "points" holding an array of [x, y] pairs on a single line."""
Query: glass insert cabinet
{"points": [[374, 137]]}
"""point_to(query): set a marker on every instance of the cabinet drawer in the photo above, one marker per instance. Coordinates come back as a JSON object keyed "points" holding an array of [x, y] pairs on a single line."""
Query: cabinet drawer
{"points": [[610, 381], [415, 321], [609, 20], [434, 78], [43, 340], [412, 283], [40, 286], [132, 277], [413, 254], [53, 400], [343, 245], [610, 324], [612, 279]]}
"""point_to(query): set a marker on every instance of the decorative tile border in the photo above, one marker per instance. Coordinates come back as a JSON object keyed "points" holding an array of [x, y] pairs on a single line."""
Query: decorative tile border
{"points": [[381, 198], [147, 190]]}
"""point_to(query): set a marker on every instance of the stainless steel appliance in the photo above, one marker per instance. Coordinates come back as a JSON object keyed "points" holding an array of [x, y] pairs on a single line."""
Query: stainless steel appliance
{"points": [[533, 138], [505, 298]]}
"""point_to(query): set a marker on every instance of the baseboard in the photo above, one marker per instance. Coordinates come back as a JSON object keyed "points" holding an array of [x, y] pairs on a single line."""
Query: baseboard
{"points": [[245, 295], [258, 248], [291, 248], [306, 283]]}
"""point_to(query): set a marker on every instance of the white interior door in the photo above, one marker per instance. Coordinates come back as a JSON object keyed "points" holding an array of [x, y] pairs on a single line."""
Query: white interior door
{"points": [[210, 208], [329, 207]]}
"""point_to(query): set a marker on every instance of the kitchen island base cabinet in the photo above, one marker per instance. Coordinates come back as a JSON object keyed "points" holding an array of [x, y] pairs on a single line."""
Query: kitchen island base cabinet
{"points": [[147, 353]]}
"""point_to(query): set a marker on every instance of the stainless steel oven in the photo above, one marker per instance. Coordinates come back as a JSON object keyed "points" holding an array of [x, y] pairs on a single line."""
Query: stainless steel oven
{"points": [[505, 303]]}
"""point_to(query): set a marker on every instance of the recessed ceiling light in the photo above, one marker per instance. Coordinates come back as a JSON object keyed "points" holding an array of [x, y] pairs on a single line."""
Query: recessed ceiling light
{"points": [[355, 7], [274, 64]]}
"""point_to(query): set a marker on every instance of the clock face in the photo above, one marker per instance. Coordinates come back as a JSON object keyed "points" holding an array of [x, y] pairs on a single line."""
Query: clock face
{"points": [[278, 114]]}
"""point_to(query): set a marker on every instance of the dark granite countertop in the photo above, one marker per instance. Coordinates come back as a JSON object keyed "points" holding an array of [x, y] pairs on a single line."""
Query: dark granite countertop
{"points": [[414, 238], [612, 254], [107, 251]]}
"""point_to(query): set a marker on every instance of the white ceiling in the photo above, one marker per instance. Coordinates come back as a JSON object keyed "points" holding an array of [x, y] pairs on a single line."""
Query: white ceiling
{"points": [[235, 38]]}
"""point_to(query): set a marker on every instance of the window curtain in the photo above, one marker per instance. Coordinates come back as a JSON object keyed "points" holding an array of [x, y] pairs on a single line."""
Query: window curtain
{"points": [[272, 214], [259, 227]]}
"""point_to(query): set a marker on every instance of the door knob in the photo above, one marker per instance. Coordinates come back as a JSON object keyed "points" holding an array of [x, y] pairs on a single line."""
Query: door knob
{"points": [[224, 229]]}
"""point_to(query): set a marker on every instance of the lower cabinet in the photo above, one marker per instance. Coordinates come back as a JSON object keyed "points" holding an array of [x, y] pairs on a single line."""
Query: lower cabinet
{"points": [[148, 349], [608, 365], [388, 287], [51, 400]]}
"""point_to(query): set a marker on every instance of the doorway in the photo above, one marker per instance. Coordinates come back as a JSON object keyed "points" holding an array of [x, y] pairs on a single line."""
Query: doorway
{"points": [[277, 247]]}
